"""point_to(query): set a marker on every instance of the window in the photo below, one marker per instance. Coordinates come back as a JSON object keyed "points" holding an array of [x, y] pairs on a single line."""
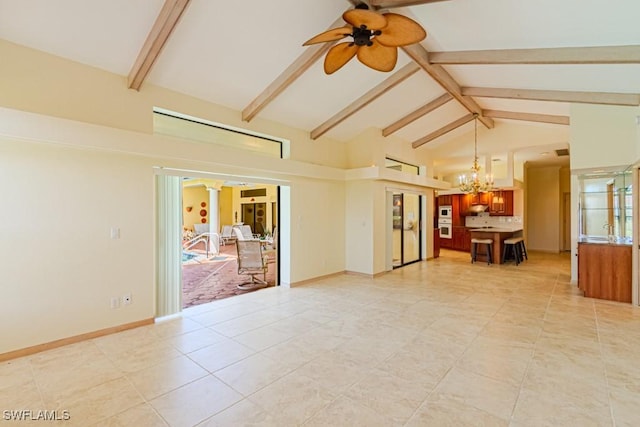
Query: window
{"points": [[401, 166], [258, 192], [178, 125]]}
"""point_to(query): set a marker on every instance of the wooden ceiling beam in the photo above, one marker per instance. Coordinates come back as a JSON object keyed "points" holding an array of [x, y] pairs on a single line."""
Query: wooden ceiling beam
{"points": [[400, 3], [310, 55], [420, 55], [605, 98], [528, 117], [165, 23], [396, 78], [415, 115], [443, 130], [563, 55]]}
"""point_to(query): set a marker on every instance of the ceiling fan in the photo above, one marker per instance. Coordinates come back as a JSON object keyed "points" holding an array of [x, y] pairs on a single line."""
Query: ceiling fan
{"points": [[376, 38]]}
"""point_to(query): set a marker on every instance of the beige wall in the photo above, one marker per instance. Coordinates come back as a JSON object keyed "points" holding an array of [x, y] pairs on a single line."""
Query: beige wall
{"points": [[193, 197], [226, 201], [70, 181], [603, 136], [543, 208], [67, 195], [359, 226], [42, 83], [60, 266]]}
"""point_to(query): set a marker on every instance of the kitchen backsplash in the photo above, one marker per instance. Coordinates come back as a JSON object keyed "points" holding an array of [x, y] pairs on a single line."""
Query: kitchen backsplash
{"points": [[484, 220]]}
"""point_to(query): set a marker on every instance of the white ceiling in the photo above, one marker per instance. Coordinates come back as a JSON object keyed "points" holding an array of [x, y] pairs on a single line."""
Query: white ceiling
{"points": [[229, 52]]}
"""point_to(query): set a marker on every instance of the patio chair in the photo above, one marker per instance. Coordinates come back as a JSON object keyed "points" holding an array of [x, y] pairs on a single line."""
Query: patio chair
{"points": [[252, 262], [243, 232], [227, 235]]}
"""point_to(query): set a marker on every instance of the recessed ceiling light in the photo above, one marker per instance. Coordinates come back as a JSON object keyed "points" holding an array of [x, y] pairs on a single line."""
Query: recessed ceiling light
{"points": [[495, 160], [544, 153]]}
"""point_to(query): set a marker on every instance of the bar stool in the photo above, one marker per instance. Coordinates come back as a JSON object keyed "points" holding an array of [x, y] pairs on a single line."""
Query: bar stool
{"points": [[514, 246], [523, 249], [474, 249]]}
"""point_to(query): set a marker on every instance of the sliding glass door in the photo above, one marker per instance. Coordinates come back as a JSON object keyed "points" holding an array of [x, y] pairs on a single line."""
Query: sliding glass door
{"points": [[411, 228], [406, 228]]}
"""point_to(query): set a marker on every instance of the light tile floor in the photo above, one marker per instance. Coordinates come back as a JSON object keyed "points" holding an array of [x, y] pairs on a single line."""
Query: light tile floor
{"points": [[442, 343]]}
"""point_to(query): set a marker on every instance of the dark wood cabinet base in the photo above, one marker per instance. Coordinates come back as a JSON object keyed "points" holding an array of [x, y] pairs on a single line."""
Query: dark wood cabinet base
{"points": [[604, 271]]}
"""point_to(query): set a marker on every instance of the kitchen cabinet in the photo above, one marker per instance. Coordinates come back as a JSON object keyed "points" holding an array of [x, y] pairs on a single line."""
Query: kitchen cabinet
{"points": [[445, 200], [501, 203], [480, 199], [465, 204], [604, 271], [446, 243], [461, 240], [456, 218], [436, 243]]}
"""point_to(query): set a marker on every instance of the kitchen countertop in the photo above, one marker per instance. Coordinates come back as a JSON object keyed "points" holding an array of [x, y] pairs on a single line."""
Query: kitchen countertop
{"points": [[604, 241], [494, 229]]}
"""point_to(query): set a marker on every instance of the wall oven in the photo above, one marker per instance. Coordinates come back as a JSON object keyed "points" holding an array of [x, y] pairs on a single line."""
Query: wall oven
{"points": [[445, 212], [446, 228]]}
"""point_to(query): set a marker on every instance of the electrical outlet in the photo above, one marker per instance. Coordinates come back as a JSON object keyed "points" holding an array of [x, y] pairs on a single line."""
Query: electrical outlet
{"points": [[126, 299], [115, 302]]}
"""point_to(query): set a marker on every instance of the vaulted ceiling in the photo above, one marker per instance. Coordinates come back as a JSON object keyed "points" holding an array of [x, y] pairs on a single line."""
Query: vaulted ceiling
{"points": [[512, 62]]}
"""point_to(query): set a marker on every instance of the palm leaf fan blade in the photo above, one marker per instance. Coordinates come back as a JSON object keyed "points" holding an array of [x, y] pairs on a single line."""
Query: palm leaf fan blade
{"points": [[360, 17], [378, 56], [339, 55], [329, 36], [400, 31]]}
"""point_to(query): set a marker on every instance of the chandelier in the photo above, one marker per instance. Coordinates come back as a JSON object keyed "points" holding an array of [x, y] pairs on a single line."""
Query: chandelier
{"points": [[472, 184]]}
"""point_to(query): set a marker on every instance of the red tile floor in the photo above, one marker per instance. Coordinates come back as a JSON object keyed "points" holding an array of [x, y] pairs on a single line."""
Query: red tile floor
{"points": [[217, 278]]}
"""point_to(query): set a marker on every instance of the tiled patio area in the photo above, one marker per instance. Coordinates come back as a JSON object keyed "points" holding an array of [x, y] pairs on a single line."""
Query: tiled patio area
{"points": [[217, 278]]}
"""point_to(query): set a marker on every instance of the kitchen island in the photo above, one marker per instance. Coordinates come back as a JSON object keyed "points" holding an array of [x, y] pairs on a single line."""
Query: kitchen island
{"points": [[498, 235]]}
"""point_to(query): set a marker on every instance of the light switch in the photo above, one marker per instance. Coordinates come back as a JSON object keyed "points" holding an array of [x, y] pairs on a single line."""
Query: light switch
{"points": [[115, 232]]}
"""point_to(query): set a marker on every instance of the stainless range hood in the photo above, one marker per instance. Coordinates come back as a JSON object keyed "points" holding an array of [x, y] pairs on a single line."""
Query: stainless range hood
{"points": [[477, 208]]}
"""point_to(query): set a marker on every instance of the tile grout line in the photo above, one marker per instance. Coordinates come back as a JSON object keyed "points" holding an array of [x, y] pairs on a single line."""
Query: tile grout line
{"points": [[604, 364], [535, 345]]}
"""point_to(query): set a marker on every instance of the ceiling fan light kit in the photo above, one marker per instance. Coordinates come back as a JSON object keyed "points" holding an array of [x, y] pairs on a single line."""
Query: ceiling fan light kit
{"points": [[376, 38]]}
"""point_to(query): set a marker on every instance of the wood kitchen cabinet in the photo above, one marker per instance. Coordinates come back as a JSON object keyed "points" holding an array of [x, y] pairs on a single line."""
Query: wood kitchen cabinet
{"points": [[501, 203], [446, 243], [480, 198], [461, 240], [465, 204], [445, 200], [436, 243]]}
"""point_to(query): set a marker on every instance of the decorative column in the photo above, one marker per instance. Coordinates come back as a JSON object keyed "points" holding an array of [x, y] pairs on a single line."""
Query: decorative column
{"points": [[214, 210]]}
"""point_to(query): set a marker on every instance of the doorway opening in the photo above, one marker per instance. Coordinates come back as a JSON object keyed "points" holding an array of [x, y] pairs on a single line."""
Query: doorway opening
{"points": [[407, 244], [213, 266]]}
